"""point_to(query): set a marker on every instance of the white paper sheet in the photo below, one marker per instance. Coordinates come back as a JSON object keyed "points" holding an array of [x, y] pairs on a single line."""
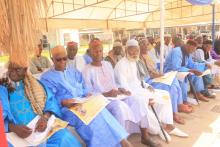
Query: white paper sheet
{"points": [[206, 72], [167, 78], [35, 138], [182, 75]]}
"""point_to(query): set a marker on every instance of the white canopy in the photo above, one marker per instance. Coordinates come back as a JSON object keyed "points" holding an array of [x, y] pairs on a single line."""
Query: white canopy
{"points": [[125, 13]]}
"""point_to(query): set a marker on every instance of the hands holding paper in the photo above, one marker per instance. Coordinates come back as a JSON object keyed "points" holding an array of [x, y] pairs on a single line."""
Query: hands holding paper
{"points": [[69, 103], [196, 72], [42, 122], [124, 91], [111, 93], [21, 130], [115, 93], [208, 66]]}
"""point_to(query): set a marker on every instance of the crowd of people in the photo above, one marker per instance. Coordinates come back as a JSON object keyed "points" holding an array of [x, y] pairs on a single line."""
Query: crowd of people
{"points": [[127, 70]]}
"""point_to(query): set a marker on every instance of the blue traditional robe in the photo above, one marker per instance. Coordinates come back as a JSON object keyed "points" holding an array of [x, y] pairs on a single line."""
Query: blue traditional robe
{"points": [[87, 58], [104, 130], [174, 90], [175, 62], [17, 109]]}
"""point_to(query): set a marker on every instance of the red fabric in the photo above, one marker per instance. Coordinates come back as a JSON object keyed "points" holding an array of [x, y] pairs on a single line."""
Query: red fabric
{"points": [[3, 142]]}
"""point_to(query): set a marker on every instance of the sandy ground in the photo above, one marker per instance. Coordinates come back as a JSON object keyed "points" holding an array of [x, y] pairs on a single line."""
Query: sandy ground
{"points": [[197, 126]]}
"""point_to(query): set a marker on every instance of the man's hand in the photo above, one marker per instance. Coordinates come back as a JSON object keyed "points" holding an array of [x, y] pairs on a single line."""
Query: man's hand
{"points": [[41, 124], [151, 102], [208, 66], [150, 88], [21, 130], [111, 93], [124, 91], [217, 63], [68, 102], [196, 72]]}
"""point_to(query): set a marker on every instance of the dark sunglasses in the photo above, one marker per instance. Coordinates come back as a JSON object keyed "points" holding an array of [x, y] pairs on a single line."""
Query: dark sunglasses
{"points": [[17, 70], [61, 59]]}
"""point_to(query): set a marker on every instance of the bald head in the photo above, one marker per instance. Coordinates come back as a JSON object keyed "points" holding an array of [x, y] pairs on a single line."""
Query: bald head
{"points": [[59, 57]]}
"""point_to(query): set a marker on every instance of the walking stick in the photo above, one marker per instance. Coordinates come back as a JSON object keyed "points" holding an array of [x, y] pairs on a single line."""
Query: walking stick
{"points": [[193, 90], [155, 113], [161, 127]]}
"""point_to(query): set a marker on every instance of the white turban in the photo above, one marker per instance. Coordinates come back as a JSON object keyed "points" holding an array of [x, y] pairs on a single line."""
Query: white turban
{"points": [[132, 42]]}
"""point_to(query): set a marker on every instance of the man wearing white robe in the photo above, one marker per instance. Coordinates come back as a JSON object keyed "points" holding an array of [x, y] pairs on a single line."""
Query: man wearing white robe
{"points": [[130, 111], [77, 62], [127, 77]]}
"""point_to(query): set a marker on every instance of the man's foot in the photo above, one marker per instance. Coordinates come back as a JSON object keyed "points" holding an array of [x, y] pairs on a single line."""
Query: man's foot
{"points": [[126, 143], [178, 119], [185, 108], [208, 94], [150, 142], [202, 98], [213, 87]]}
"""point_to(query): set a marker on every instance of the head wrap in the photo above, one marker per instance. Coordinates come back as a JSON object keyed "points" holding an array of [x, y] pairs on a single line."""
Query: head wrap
{"points": [[72, 43], [94, 43]]}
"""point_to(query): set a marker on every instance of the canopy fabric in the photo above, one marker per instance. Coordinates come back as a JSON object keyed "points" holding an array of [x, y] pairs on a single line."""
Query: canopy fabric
{"points": [[126, 13]]}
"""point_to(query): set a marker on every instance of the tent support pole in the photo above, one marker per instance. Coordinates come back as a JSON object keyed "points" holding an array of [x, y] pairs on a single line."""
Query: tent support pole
{"points": [[162, 10]]}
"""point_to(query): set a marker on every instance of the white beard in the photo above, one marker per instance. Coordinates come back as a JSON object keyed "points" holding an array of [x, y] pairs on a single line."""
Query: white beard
{"points": [[132, 59]]}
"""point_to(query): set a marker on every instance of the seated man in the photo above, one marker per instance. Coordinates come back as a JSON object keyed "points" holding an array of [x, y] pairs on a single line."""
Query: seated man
{"points": [[77, 62], [25, 101], [180, 59], [115, 54], [151, 72], [87, 56], [127, 76], [203, 55], [99, 78], [39, 63], [67, 83]]}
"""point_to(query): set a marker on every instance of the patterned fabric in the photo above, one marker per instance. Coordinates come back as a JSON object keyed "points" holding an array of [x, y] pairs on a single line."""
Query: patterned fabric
{"points": [[35, 93]]}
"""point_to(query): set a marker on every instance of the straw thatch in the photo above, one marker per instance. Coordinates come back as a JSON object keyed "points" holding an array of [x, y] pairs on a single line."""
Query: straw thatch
{"points": [[19, 32]]}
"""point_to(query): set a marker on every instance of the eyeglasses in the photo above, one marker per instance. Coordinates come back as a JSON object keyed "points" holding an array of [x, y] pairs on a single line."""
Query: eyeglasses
{"points": [[61, 59]]}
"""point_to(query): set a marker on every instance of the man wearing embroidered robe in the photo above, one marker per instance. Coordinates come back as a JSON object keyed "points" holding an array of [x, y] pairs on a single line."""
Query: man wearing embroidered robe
{"points": [[28, 99], [67, 83]]}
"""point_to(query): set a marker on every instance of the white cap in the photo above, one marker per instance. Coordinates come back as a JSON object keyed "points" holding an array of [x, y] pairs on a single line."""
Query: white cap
{"points": [[132, 42]]}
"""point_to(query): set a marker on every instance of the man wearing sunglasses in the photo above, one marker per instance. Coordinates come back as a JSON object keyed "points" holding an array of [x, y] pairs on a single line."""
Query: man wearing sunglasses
{"points": [[67, 83]]}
